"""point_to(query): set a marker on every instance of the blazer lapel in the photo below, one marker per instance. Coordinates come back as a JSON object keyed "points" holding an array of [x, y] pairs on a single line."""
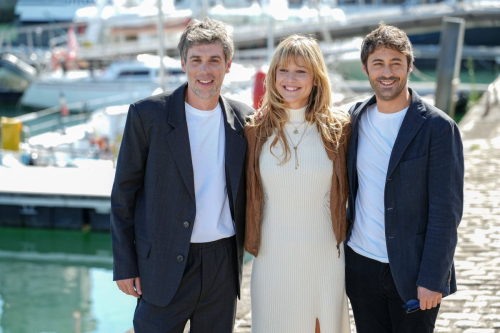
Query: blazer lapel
{"points": [[178, 138], [411, 124], [235, 146]]}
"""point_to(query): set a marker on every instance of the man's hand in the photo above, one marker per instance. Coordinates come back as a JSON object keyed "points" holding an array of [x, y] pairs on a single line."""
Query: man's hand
{"points": [[428, 299], [131, 287]]}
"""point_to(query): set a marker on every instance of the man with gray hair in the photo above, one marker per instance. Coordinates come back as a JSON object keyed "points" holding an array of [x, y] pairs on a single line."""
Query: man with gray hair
{"points": [[178, 199]]}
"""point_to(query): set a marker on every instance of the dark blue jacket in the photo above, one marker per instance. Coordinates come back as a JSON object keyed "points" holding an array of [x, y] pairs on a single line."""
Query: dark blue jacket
{"points": [[153, 203], [423, 197]]}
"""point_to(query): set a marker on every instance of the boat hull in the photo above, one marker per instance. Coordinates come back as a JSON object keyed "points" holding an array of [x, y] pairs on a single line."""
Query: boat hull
{"points": [[85, 95]]}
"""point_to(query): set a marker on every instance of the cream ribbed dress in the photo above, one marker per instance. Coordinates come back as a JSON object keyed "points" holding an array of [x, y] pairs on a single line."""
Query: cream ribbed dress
{"points": [[297, 275]]}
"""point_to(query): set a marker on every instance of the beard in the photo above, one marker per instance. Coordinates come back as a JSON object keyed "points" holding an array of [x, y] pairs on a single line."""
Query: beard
{"points": [[203, 93], [389, 93]]}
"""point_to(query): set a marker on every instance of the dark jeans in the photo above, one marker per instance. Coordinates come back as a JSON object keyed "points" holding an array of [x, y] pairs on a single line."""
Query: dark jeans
{"points": [[375, 301], [206, 296]]}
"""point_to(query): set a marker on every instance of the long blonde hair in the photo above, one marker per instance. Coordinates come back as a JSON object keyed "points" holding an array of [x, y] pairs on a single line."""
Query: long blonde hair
{"points": [[329, 121]]}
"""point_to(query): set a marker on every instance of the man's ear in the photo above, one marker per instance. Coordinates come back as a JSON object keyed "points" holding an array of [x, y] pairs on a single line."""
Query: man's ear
{"points": [[365, 70], [228, 66], [183, 65], [410, 68]]}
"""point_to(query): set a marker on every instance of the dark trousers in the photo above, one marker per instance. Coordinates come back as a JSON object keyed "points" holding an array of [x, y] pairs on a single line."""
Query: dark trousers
{"points": [[375, 301], [206, 295]]}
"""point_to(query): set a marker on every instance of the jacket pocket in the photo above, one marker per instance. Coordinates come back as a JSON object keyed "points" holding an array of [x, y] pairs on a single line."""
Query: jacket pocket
{"points": [[142, 247], [414, 168]]}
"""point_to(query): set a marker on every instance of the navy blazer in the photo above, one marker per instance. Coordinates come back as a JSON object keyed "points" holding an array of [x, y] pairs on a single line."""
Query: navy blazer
{"points": [[423, 197], [153, 193]]}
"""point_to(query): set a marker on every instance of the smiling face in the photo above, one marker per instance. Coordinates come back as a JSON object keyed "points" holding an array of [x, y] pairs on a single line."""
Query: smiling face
{"points": [[294, 82], [388, 71], [205, 67]]}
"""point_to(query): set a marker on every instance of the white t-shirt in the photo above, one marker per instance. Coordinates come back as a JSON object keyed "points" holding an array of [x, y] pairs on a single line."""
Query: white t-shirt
{"points": [[207, 140], [376, 137]]}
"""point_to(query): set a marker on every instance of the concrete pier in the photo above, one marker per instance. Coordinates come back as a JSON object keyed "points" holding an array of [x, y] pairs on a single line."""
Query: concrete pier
{"points": [[64, 198]]}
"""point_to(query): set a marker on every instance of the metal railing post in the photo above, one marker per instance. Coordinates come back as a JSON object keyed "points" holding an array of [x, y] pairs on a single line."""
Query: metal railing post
{"points": [[29, 36]]}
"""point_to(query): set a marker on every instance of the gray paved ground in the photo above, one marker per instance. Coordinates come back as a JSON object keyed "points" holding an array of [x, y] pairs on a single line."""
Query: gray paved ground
{"points": [[475, 308]]}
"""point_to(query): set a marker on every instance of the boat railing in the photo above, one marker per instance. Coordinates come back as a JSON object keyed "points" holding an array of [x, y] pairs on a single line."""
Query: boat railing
{"points": [[29, 42], [52, 119], [57, 123]]}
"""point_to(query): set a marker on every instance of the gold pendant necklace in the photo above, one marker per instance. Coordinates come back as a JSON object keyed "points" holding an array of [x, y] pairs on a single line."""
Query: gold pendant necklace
{"points": [[295, 146], [296, 131]]}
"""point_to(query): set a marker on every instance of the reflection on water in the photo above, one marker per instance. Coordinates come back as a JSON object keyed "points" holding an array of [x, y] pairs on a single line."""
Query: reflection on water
{"points": [[59, 281]]}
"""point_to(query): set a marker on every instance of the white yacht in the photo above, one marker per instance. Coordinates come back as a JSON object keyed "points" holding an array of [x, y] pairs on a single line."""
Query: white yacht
{"points": [[15, 77], [121, 83]]}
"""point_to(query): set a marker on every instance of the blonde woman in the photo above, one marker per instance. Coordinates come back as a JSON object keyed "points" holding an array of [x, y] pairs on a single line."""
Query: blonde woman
{"points": [[296, 197]]}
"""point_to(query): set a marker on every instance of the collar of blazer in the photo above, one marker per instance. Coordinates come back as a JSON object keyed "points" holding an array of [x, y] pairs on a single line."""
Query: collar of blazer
{"points": [[413, 120], [178, 116]]}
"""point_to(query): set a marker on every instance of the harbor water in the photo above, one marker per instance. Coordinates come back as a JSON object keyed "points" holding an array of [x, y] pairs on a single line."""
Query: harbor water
{"points": [[60, 282]]}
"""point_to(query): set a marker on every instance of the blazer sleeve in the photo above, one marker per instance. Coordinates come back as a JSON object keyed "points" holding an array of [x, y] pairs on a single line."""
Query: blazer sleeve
{"points": [[446, 191], [128, 182]]}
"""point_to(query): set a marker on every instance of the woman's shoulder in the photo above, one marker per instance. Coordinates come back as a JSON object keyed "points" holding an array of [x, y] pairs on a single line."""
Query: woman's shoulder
{"points": [[250, 130], [339, 117], [346, 133], [252, 123], [340, 123]]}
